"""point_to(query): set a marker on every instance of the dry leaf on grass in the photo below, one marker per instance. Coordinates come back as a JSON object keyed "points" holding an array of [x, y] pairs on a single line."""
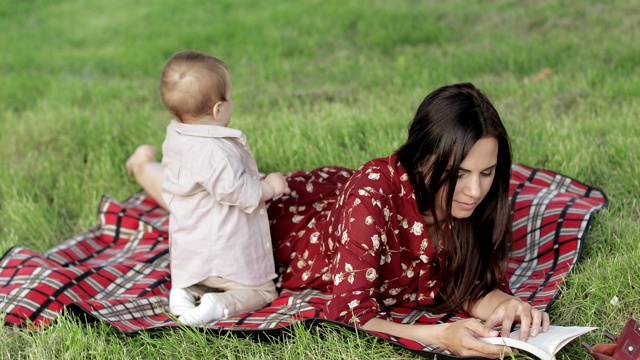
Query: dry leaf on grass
{"points": [[542, 74]]}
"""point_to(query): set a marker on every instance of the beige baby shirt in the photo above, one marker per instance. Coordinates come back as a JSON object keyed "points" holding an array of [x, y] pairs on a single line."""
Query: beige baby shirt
{"points": [[217, 226]]}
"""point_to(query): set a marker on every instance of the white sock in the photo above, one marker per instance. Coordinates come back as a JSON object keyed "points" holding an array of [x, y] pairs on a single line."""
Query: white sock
{"points": [[181, 301], [209, 310]]}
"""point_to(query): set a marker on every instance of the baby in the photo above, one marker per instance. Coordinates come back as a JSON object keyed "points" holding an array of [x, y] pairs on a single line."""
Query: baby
{"points": [[220, 245]]}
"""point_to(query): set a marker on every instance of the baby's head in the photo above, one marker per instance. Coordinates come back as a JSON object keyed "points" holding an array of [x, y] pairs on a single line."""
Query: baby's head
{"points": [[191, 84]]}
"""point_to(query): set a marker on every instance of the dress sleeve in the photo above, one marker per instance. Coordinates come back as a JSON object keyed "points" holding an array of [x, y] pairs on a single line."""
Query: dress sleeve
{"points": [[356, 264], [230, 184]]}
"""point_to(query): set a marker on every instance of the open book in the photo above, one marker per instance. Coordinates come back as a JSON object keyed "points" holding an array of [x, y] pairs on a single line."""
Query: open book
{"points": [[546, 344]]}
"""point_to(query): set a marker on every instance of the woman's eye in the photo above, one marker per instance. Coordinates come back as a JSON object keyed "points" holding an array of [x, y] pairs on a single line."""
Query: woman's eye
{"points": [[483, 174]]}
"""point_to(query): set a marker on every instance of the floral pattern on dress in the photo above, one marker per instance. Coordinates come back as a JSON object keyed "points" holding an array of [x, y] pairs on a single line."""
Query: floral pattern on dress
{"points": [[360, 236]]}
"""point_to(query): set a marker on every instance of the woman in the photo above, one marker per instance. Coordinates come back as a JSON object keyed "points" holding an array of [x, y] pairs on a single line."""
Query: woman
{"points": [[428, 225]]}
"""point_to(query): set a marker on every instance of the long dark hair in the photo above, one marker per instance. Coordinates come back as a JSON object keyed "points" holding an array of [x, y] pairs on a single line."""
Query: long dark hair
{"points": [[446, 126]]}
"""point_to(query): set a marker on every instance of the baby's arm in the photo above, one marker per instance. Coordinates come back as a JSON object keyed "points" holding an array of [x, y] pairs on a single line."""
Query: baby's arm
{"points": [[274, 185]]}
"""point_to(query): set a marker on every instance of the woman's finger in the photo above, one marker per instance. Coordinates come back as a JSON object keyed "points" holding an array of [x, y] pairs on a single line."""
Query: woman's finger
{"points": [[525, 324], [474, 347], [545, 321], [479, 330], [507, 323], [536, 321]]}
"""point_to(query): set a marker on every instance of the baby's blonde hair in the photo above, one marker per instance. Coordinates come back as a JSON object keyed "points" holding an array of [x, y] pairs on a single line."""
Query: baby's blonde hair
{"points": [[192, 82]]}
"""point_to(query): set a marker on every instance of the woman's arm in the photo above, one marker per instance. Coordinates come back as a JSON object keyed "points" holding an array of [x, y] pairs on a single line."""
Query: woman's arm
{"points": [[458, 337], [356, 264]]}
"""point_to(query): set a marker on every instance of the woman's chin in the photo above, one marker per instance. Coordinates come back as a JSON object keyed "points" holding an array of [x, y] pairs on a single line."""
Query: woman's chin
{"points": [[461, 213]]}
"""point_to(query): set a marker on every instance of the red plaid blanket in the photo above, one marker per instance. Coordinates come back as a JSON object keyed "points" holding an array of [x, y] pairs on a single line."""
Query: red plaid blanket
{"points": [[117, 271]]}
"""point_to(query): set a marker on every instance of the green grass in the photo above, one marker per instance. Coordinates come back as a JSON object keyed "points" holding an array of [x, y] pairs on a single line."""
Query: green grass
{"points": [[315, 83]]}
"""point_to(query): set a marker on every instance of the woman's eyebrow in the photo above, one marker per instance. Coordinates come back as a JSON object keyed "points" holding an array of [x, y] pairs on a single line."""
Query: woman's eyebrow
{"points": [[489, 168]]}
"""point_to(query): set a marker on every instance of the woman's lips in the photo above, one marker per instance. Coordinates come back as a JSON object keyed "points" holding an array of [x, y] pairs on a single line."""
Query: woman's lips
{"points": [[466, 206]]}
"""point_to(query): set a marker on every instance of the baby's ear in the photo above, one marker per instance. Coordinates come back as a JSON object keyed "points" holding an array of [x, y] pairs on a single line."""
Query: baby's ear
{"points": [[216, 109]]}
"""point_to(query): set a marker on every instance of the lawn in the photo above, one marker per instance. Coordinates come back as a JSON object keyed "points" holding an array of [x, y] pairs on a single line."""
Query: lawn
{"points": [[315, 83]]}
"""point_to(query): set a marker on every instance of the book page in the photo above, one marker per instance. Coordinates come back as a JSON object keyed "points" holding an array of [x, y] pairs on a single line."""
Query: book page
{"points": [[549, 342], [517, 344], [556, 338]]}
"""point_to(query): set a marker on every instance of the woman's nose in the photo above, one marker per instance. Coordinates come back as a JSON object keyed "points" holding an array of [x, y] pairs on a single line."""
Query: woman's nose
{"points": [[472, 187]]}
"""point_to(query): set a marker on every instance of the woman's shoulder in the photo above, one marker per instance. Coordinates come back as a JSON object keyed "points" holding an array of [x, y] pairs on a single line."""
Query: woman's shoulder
{"points": [[386, 168], [380, 177]]}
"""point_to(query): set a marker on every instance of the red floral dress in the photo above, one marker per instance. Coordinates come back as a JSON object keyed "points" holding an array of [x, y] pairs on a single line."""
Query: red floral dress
{"points": [[358, 235]]}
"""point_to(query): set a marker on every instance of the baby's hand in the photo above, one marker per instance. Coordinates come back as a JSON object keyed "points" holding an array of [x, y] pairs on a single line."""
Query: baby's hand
{"points": [[279, 184]]}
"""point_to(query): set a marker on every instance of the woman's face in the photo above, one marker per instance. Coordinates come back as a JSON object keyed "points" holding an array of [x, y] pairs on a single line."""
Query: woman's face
{"points": [[477, 171]]}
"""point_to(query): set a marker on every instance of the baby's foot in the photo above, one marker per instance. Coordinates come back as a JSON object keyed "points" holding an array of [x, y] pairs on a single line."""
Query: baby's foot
{"points": [[181, 302], [209, 310], [143, 154]]}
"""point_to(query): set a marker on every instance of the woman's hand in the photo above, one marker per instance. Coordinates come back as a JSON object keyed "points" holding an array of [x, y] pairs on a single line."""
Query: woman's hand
{"points": [[460, 338], [509, 309]]}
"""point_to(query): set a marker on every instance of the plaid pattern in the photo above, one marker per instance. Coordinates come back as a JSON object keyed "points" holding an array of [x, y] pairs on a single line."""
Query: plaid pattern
{"points": [[118, 271]]}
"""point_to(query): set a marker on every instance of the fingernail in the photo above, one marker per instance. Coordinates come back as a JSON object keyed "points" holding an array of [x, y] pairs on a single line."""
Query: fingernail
{"points": [[493, 333], [534, 332]]}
